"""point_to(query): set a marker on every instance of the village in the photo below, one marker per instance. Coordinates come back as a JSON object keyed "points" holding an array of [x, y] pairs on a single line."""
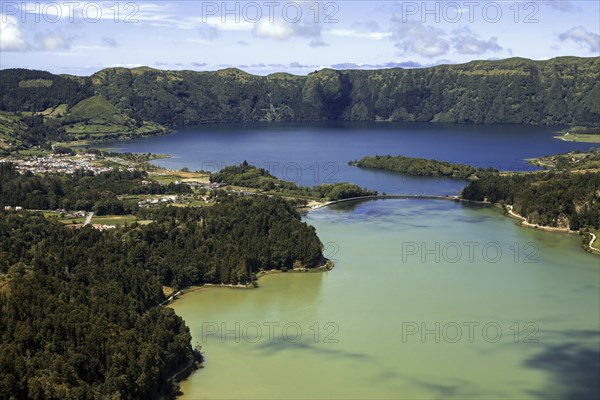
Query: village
{"points": [[55, 163], [70, 164]]}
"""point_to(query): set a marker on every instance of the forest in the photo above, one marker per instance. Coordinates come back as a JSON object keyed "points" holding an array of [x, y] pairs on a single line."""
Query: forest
{"points": [[140, 101], [78, 320], [422, 167], [249, 176], [226, 243], [557, 199], [80, 315]]}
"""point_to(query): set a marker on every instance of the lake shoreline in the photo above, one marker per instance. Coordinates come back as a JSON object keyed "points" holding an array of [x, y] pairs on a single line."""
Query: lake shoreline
{"points": [[525, 223], [588, 247], [507, 210], [327, 266]]}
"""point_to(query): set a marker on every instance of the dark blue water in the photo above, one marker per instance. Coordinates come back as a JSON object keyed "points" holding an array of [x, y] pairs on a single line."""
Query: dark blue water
{"points": [[316, 153]]}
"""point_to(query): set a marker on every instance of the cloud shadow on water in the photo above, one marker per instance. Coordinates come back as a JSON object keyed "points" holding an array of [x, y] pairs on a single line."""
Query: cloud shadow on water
{"points": [[574, 369], [278, 345]]}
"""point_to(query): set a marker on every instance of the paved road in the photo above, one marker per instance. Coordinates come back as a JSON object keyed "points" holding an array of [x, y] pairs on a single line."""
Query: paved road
{"points": [[88, 218], [592, 241]]}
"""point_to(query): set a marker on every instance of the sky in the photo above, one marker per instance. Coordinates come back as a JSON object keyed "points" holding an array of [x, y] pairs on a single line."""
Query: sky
{"points": [[298, 37]]}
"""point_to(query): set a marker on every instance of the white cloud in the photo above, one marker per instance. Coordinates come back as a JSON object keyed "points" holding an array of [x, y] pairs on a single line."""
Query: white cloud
{"points": [[278, 29], [362, 30], [360, 34], [415, 37], [581, 36], [469, 44], [287, 26], [11, 37], [283, 30], [52, 41], [229, 24]]}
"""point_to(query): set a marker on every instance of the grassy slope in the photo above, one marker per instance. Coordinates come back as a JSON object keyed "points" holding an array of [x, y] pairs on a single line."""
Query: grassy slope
{"points": [[98, 118]]}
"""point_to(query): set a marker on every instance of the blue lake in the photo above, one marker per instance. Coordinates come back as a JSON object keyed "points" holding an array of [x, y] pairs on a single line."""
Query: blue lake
{"points": [[315, 153]]}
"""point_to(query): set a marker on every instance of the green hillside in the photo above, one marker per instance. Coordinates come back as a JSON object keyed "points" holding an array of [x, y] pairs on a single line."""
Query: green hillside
{"points": [[94, 107], [120, 101], [559, 91]]}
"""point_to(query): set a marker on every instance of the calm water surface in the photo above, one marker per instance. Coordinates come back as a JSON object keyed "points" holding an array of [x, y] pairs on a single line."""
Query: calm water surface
{"points": [[400, 318], [429, 299], [311, 154]]}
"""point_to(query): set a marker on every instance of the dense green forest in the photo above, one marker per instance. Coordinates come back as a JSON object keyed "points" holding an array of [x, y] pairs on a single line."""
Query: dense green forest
{"points": [[79, 320], [226, 243], [27, 90], [130, 102], [81, 191], [252, 177], [80, 315], [421, 167], [560, 199]]}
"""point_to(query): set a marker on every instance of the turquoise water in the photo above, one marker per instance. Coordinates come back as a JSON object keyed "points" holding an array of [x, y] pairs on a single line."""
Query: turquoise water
{"points": [[428, 299]]}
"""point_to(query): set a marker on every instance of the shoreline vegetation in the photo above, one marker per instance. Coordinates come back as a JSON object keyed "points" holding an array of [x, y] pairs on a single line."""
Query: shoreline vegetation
{"points": [[523, 222], [564, 199], [508, 210], [588, 237], [327, 266], [422, 167], [247, 176], [583, 134], [573, 161]]}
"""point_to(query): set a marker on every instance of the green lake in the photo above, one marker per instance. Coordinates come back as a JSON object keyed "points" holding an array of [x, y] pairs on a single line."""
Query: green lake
{"points": [[428, 299]]}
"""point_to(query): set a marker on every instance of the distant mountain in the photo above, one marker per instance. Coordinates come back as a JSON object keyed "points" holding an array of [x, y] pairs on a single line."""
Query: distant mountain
{"points": [[563, 90]]}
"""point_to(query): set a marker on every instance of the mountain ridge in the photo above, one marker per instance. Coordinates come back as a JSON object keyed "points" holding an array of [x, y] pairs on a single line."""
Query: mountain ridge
{"points": [[559, 91]]}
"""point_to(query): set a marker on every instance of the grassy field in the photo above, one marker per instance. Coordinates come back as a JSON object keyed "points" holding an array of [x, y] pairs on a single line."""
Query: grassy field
{"points": [[580, 137], [64, 220], [117, 220], [193, 203], [54, 112], [165, 177]]}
